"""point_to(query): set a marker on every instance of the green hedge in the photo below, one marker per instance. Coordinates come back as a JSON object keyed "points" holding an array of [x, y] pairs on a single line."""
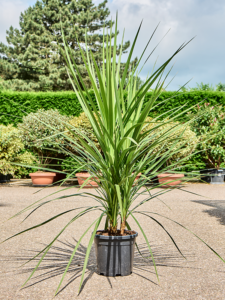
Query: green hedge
{"points": [[13, 105], [189, 99]]}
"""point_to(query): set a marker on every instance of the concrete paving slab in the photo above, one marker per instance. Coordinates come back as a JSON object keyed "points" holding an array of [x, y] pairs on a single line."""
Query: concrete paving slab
{"points": [[200, 276]]}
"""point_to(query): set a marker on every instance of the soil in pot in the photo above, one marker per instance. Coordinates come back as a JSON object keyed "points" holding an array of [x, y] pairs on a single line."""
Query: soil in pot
{"points": [[115, 254], [106, 233], [169, 180], [42, 178], [82, 176]]}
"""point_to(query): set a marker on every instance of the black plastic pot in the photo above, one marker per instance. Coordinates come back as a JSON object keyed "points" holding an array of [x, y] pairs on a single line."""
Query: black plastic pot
{"points": [[4, 178], [213, 176], [59, 177], [115, 254]]}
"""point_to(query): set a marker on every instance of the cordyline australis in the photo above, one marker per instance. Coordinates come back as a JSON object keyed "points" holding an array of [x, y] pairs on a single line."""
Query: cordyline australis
{"points": [[118, 118]]}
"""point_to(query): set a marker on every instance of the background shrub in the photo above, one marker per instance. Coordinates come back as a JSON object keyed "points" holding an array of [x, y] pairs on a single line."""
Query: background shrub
{"points": [[83, 124], [210, 128], [12, 151], [15, 105], [70, 164], [184, 147], [39, 132]]}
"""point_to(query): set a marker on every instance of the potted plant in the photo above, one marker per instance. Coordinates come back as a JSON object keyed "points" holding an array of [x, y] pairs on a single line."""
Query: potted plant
{"points": [[118, 129], [85, 180], [12, 153], [40, 132], [209, 126], [186, 142], [71, 163]]}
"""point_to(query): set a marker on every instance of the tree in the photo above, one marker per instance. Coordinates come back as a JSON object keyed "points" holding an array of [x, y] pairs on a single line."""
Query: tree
{"points": [[200, 87], [220, 87], [204, 87], [32, 59], [139, 83]]}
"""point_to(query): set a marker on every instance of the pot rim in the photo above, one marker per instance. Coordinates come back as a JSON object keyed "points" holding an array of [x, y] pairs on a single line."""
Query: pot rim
{"points": [[127, 237], [212, 170], [220, 169], [83, 174], [166, 175], [42, 174]]}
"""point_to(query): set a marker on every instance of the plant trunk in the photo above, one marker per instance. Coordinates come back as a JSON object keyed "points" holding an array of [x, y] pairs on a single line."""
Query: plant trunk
{"points": [[123, 226], [112, 229]]}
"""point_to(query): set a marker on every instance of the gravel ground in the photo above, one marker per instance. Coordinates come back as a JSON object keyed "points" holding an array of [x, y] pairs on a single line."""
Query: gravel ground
{"points": [[200, 276]]}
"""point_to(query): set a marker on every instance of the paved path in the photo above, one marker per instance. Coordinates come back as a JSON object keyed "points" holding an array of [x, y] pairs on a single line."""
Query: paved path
{"points": [[215, 208], [201, 276]]}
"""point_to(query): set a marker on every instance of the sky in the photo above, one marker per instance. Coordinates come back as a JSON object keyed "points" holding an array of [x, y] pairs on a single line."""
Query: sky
{"points": [[202, 60]]}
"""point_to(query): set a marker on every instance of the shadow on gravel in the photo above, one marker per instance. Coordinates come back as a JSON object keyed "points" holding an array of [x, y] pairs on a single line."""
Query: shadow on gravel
{"points": [[218, 209], [5, 204], [56, 260]]}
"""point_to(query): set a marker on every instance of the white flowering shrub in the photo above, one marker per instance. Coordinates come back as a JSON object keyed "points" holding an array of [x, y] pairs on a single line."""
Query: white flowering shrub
{"points": [[12, 152], [41, 132]]}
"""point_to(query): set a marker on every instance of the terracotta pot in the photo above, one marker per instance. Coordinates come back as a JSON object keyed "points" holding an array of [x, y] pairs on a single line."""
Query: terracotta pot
{"points": [[167, 177], [137, 177], [42, 178], [82, 176]]}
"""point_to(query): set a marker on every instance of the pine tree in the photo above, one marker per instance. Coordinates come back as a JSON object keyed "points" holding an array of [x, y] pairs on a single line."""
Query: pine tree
{"points": [[32, 59]]}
